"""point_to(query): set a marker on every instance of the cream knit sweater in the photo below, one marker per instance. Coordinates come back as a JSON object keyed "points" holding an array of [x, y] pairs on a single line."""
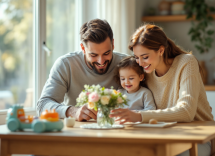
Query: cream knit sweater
{"points": [[179, 94]]}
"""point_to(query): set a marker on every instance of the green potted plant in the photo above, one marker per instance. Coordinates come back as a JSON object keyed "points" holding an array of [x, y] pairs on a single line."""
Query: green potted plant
{"points": [[200, 33]]}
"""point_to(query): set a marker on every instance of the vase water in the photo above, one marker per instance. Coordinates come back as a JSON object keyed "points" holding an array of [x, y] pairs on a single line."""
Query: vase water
{"points": [[103, 119]]}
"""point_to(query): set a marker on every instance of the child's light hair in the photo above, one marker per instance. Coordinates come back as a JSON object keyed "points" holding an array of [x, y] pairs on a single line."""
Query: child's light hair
{"points": [[129, 62]]}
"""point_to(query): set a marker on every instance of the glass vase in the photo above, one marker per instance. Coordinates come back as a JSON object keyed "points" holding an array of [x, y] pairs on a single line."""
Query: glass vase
{"points": [[103, 119]]}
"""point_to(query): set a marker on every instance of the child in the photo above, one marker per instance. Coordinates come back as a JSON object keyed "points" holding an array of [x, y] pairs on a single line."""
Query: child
{"points": [[131, 78]]}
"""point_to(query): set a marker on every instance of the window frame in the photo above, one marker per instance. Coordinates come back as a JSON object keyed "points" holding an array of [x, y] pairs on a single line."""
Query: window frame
{"points": [[39, 52]]}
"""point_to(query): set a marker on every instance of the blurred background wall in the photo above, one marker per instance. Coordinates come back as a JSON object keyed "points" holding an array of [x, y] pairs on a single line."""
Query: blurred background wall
{"points": [[178, 32]]}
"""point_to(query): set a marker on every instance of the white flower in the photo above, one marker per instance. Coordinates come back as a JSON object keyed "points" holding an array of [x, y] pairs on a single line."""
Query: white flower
{"points": [[98, 86], [107, 91], [86, 86], [82, 95], [90, 90], [105, 100], [78, 100], [119, 100], [124, 96], [91, 105]]}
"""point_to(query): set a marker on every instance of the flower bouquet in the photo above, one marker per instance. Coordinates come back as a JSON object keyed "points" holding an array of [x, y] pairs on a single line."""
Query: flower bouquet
{"points": [[102, 100]]}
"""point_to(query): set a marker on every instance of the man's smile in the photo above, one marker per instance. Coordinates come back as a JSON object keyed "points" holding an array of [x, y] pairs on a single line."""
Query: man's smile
{"points": [[101, 66]]}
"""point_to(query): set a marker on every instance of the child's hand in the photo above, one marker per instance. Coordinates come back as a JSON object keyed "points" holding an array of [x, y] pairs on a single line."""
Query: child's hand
{"points": [[125, 115]]}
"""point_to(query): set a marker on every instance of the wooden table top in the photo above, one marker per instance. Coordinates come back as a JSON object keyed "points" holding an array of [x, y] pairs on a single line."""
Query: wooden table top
{"points": [[195, 132]]}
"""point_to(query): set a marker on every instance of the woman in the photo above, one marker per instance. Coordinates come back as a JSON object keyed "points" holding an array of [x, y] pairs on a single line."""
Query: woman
{"points": [[173, 76]]}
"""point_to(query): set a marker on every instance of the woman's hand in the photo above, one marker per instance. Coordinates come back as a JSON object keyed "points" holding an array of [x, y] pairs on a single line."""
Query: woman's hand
{"points": [[125, 115]]}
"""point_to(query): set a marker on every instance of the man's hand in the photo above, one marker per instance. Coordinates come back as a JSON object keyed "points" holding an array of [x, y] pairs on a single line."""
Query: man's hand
{"points": [[82, 113]]}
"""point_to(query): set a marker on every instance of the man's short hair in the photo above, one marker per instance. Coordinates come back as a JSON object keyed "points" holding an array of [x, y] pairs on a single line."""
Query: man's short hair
{"points": [[96, 31]]}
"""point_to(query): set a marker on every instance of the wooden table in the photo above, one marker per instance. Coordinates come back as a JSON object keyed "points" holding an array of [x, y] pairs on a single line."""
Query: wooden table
{"points": [[125, 142]]}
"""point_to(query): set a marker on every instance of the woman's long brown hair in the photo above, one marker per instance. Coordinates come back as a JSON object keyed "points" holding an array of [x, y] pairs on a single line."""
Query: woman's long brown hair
{"points": [[153, 37]]}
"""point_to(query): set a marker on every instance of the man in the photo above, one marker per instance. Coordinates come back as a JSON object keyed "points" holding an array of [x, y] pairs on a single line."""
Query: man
{"points": [[95, 64]]}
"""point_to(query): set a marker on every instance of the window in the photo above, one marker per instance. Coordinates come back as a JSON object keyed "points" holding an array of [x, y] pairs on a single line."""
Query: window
{"points": [[16, 53], [27, 28]]}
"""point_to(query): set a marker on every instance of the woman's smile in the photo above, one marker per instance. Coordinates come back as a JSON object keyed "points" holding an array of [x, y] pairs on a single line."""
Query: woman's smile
{"points": [[147, 67]]}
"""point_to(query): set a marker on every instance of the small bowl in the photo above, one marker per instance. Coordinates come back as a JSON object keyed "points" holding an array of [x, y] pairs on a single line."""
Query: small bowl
{"points": [[69, 122]]}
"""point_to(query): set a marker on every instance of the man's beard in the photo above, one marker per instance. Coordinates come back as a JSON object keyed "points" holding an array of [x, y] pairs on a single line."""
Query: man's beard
{"points": [[100, 71]]}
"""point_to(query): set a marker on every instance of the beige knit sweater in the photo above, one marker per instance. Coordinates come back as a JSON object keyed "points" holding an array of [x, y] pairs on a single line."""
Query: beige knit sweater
{"points": [[179, 94]]}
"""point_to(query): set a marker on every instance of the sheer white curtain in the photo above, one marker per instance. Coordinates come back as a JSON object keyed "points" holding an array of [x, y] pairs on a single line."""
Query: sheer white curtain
{"points": [[120, 14], [63, 22]]}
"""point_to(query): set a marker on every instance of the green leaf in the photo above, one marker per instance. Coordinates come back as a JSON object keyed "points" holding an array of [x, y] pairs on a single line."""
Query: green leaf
{"points": [[210, 18], [95, 108], [198, 17], [212, 9], [205, 23], [210, 32], [194, 10], [201, 50], [190, 15], [193, 38], [198, 47], [203, 9], [209, 39], [191, 31]]}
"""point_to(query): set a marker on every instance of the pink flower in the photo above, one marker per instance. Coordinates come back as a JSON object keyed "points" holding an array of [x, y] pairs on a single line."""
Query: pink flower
{"points": [[88, 93], [93, 97]]}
